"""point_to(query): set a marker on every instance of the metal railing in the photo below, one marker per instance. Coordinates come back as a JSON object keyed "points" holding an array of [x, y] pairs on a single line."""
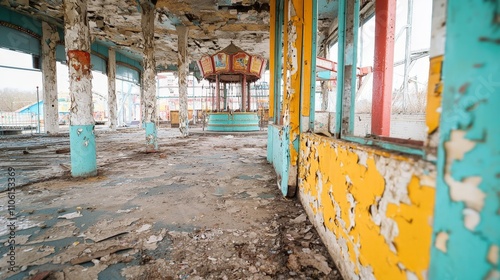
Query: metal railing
{"points": [[13, 121]]}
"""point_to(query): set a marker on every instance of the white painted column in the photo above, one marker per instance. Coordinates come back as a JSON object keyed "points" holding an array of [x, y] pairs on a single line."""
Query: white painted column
{"points": [[112, 103], [50, 37], [77, 41], [149, 76], [182, 35]]}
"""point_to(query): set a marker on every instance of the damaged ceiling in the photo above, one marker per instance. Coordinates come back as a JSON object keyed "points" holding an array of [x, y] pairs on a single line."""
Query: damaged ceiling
{"points": [[213, 24]]}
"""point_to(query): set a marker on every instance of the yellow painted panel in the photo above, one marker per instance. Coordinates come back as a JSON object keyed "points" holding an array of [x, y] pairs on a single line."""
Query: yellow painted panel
{"points": [[294, 65], [308, 45], [434, 91], [360, 207], [272, 58]]}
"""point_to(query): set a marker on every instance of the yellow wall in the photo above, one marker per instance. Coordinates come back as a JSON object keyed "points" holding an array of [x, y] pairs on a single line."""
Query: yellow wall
{"points": [[294, 20], [373, 208]]}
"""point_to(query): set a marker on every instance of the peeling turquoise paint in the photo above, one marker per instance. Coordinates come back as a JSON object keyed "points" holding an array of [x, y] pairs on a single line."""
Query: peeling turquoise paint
{"points": [[151, 137], [470, 106], [83, 150], [279, 154]]}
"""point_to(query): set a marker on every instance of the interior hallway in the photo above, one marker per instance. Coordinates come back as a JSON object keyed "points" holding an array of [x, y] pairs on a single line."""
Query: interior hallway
{"points": [[204, 207]]}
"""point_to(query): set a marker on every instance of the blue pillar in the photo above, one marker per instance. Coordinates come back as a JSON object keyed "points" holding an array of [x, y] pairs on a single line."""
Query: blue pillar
{"points": [[466, 237], [83, 150], [151, 137]]}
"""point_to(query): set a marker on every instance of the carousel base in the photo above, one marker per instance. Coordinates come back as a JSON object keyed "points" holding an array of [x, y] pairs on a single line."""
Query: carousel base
{"points": [[233, 122]]}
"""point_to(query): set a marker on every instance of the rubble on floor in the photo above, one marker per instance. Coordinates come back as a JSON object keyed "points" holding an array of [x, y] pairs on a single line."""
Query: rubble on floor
{"points": [[204, 207]]}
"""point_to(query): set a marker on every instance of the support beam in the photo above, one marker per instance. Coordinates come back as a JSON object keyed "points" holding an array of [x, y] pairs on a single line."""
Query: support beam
{"points": [[435, 86], [273, 24], [182, 35], [325, 85], [350, 69], [50, 37], [466, 224], [341, 63], [217, 92], [81, 133], [249, 99], [225, 96], [385, 17], [244, 93], [112, 103], [149, 75]]}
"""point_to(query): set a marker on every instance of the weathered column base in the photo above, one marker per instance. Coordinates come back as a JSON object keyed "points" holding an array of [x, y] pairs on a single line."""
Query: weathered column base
{"points": [[184, 128], [83, 150], [151, 137]]}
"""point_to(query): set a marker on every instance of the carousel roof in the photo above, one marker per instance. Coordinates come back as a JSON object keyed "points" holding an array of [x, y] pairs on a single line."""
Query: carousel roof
{"points": [[231, 64]]}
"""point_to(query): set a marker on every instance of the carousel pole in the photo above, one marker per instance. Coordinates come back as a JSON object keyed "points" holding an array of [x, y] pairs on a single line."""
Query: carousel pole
{"points": [[225, 96], [217, 92], [212, 101], [249, 94], [244, 93]]}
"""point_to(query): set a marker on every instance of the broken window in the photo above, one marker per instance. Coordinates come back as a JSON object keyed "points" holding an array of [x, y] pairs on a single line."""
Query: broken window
{"points": [[409, 79]]}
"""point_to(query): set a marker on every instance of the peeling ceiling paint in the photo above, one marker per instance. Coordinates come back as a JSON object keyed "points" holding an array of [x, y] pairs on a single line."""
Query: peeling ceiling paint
{"points": [[212, 24]]}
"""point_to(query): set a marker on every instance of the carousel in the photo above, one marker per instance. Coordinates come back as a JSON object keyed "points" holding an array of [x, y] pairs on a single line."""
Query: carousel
{"points": [[232, 67]]}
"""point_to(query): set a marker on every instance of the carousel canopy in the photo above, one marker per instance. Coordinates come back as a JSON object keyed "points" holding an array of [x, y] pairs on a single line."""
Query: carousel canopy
{"points": [[231, 64]]}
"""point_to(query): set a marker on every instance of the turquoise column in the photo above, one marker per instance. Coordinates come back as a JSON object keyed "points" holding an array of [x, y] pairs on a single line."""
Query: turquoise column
{"points": [[83, 150], [466, 231], [81, 131], [151, 137]]}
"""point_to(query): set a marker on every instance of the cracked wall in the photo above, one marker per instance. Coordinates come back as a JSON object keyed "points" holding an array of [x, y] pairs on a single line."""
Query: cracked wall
{"points": [[372, 208], [467, 220]]}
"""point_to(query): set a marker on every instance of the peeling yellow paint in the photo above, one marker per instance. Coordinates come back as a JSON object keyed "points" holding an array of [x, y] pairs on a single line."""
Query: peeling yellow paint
{"points": [[272, 59], [293, 57], [434, 90], [351, 192]]}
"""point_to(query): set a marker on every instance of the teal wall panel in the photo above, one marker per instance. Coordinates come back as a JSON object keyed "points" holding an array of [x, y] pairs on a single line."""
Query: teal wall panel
{"points": [[19, 41]]}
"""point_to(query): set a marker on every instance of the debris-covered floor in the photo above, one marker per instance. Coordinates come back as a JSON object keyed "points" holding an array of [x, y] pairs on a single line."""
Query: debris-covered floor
{"points": [[205, 207]]}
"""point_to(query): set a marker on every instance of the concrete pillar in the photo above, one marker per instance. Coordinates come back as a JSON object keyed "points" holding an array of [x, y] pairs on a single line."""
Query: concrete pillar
{"points": [[81, 133], [182, 35], [217, 92], [350, 56], [325, 85], [149, 75], [112, 103], [385, 17], [50, 37]]}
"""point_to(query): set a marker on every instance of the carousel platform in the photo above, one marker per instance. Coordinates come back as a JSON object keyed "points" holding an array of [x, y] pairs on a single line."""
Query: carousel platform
{"points": [[233, 122]]}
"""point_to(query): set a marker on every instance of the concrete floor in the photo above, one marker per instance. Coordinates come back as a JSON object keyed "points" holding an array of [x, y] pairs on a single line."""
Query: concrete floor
{"points": [[204, 207]]}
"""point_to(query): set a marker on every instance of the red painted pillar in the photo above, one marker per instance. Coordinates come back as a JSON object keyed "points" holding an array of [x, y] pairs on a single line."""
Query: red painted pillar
{"points": [[385, 18]]}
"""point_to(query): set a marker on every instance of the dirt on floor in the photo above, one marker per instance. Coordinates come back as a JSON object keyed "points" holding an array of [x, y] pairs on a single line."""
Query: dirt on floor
{"points": [[203, 207]]}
